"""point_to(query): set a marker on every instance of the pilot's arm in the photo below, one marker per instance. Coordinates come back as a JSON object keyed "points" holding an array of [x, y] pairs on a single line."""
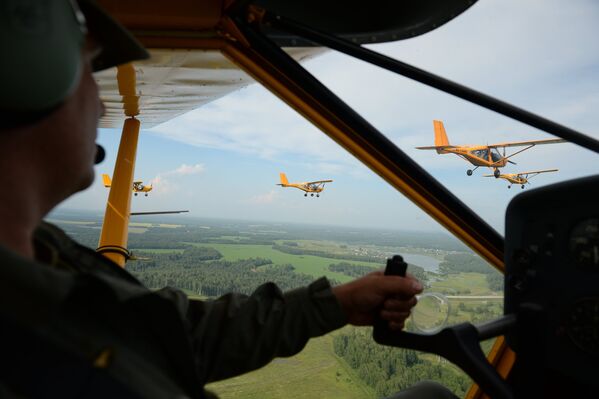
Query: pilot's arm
{"points": [[238, 333]]}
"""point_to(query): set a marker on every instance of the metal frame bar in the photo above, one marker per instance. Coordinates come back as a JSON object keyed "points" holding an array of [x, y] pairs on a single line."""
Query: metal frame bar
{"points": [[429, 79]]}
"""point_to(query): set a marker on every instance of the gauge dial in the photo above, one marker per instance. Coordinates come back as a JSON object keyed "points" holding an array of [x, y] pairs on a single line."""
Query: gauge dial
{"points": [[583, 325], [584, 244]]}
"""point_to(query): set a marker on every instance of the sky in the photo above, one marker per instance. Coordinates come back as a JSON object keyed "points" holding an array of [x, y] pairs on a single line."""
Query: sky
{"points": [[223, 159]]}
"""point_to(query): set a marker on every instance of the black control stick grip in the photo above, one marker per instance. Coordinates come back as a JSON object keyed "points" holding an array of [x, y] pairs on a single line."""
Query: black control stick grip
{"points": [[395, 267]]}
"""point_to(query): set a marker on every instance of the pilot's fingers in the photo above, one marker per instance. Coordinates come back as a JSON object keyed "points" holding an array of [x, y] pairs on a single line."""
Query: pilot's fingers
{"points": [[396, 326], [392, 316], [400, 305], [390, 286]]}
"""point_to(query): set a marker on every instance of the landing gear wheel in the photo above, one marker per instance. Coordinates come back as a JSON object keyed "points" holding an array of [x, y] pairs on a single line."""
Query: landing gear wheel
{"points": [[496, 173], [135, 194], [318, 195], [509, 186], [146, 195], [312, 195], [523, 187], [469, 172], [305, 195]]}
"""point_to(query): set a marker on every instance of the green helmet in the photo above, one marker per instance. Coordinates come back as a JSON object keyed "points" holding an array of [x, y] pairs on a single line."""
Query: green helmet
{"points": [[40, 47]]}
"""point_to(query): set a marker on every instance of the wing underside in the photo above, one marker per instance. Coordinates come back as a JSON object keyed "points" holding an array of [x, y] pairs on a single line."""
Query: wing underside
{"points": [[526, 143]]}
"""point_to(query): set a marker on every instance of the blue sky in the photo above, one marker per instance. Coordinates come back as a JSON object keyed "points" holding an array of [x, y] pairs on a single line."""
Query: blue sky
{"points": [[223, 159]]}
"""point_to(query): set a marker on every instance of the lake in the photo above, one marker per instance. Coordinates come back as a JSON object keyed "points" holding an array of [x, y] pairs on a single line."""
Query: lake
{"points": [[428, 263]]}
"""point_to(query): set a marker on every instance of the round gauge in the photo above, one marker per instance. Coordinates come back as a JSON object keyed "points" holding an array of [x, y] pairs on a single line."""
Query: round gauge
{"points": [[583, 325], [584, 244], [430, 314]]}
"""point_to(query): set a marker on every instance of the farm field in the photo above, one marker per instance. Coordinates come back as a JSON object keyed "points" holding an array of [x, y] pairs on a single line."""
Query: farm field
{"points": [[314, 266], [316, 372]]}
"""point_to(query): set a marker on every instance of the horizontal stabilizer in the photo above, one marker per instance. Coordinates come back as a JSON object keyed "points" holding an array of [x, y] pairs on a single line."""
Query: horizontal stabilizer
{"points": [[436, 147]]}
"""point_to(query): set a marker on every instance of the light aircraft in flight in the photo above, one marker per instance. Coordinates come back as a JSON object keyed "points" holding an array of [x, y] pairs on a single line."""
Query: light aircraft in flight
{"points": [[481, 155], [138, 186], [312, 187], [522, 177]]}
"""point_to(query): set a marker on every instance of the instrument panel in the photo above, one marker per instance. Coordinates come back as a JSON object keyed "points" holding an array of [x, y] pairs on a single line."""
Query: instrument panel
{"points": [[552, 283]]}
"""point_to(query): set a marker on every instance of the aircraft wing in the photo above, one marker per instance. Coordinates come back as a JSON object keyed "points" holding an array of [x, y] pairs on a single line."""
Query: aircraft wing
{"points": [[319, 181], [436, 147], [525, 173], [156, 213], [537, 171], [526, 143]]}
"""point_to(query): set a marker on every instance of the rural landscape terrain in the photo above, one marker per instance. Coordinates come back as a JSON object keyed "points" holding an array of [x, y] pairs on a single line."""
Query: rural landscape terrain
{"points": [[208, 258]]}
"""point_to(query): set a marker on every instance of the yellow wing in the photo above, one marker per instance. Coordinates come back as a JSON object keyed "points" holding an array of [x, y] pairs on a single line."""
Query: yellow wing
{"points": [[525, 143]]}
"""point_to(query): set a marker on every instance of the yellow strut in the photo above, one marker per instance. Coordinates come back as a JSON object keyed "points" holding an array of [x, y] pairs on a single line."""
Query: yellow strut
{"points": [[115, 229]]}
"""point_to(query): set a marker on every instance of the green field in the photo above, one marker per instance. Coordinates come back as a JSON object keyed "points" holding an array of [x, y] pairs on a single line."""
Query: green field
{"points": [[316, 372], [461, 283], [315, 266]]}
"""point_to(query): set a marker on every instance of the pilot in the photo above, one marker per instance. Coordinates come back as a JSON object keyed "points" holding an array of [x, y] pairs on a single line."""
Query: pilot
{"points": [[72, 323]]}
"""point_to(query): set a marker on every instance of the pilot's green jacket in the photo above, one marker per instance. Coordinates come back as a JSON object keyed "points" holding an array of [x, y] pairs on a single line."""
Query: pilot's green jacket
{"points": [[75, 312]]}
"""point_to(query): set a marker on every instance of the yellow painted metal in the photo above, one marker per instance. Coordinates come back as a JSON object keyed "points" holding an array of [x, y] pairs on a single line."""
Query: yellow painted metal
{"points": [[502, 358], [126, 80], [115, 230]]}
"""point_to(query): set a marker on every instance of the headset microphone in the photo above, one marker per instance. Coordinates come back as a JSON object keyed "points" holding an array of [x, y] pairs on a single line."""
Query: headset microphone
{"points": [[100, 154]]}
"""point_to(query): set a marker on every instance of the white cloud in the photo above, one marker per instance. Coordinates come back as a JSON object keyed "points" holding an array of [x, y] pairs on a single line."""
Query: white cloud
{"points": [[169, 182]]}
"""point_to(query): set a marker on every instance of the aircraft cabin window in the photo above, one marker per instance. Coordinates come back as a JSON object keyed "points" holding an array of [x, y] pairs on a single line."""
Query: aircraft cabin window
{"points": [[272, 198]]}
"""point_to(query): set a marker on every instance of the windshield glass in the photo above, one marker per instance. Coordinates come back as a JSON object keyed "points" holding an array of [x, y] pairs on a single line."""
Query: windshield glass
{"points": [[223, 163]]}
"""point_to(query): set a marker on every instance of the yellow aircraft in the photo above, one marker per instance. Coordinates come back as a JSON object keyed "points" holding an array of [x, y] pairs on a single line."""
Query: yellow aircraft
{"points": [[309, 187], [481, 155], [138, 186], [522, 177]]}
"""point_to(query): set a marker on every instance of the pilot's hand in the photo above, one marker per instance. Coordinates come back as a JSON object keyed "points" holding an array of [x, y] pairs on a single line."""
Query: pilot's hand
{"points": [[375, 295]]}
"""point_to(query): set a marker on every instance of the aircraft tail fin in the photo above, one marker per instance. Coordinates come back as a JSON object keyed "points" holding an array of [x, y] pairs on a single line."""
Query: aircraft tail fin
{"points": [[284, 180], [440, 136], [106, 180]]}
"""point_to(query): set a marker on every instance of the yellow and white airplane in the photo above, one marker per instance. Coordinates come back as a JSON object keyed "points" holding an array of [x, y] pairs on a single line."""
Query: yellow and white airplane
{"points": [[481, 155], [522, 177], [138, 186], [312, 187]]}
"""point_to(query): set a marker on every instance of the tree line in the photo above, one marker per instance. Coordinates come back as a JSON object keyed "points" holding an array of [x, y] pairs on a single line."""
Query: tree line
{"points": [[201, 271], [389, 370], [469, 263], [293, 250]]}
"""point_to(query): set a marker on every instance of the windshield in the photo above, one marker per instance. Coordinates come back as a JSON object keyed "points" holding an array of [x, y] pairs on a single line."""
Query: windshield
{"points": [[223, 161]]}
